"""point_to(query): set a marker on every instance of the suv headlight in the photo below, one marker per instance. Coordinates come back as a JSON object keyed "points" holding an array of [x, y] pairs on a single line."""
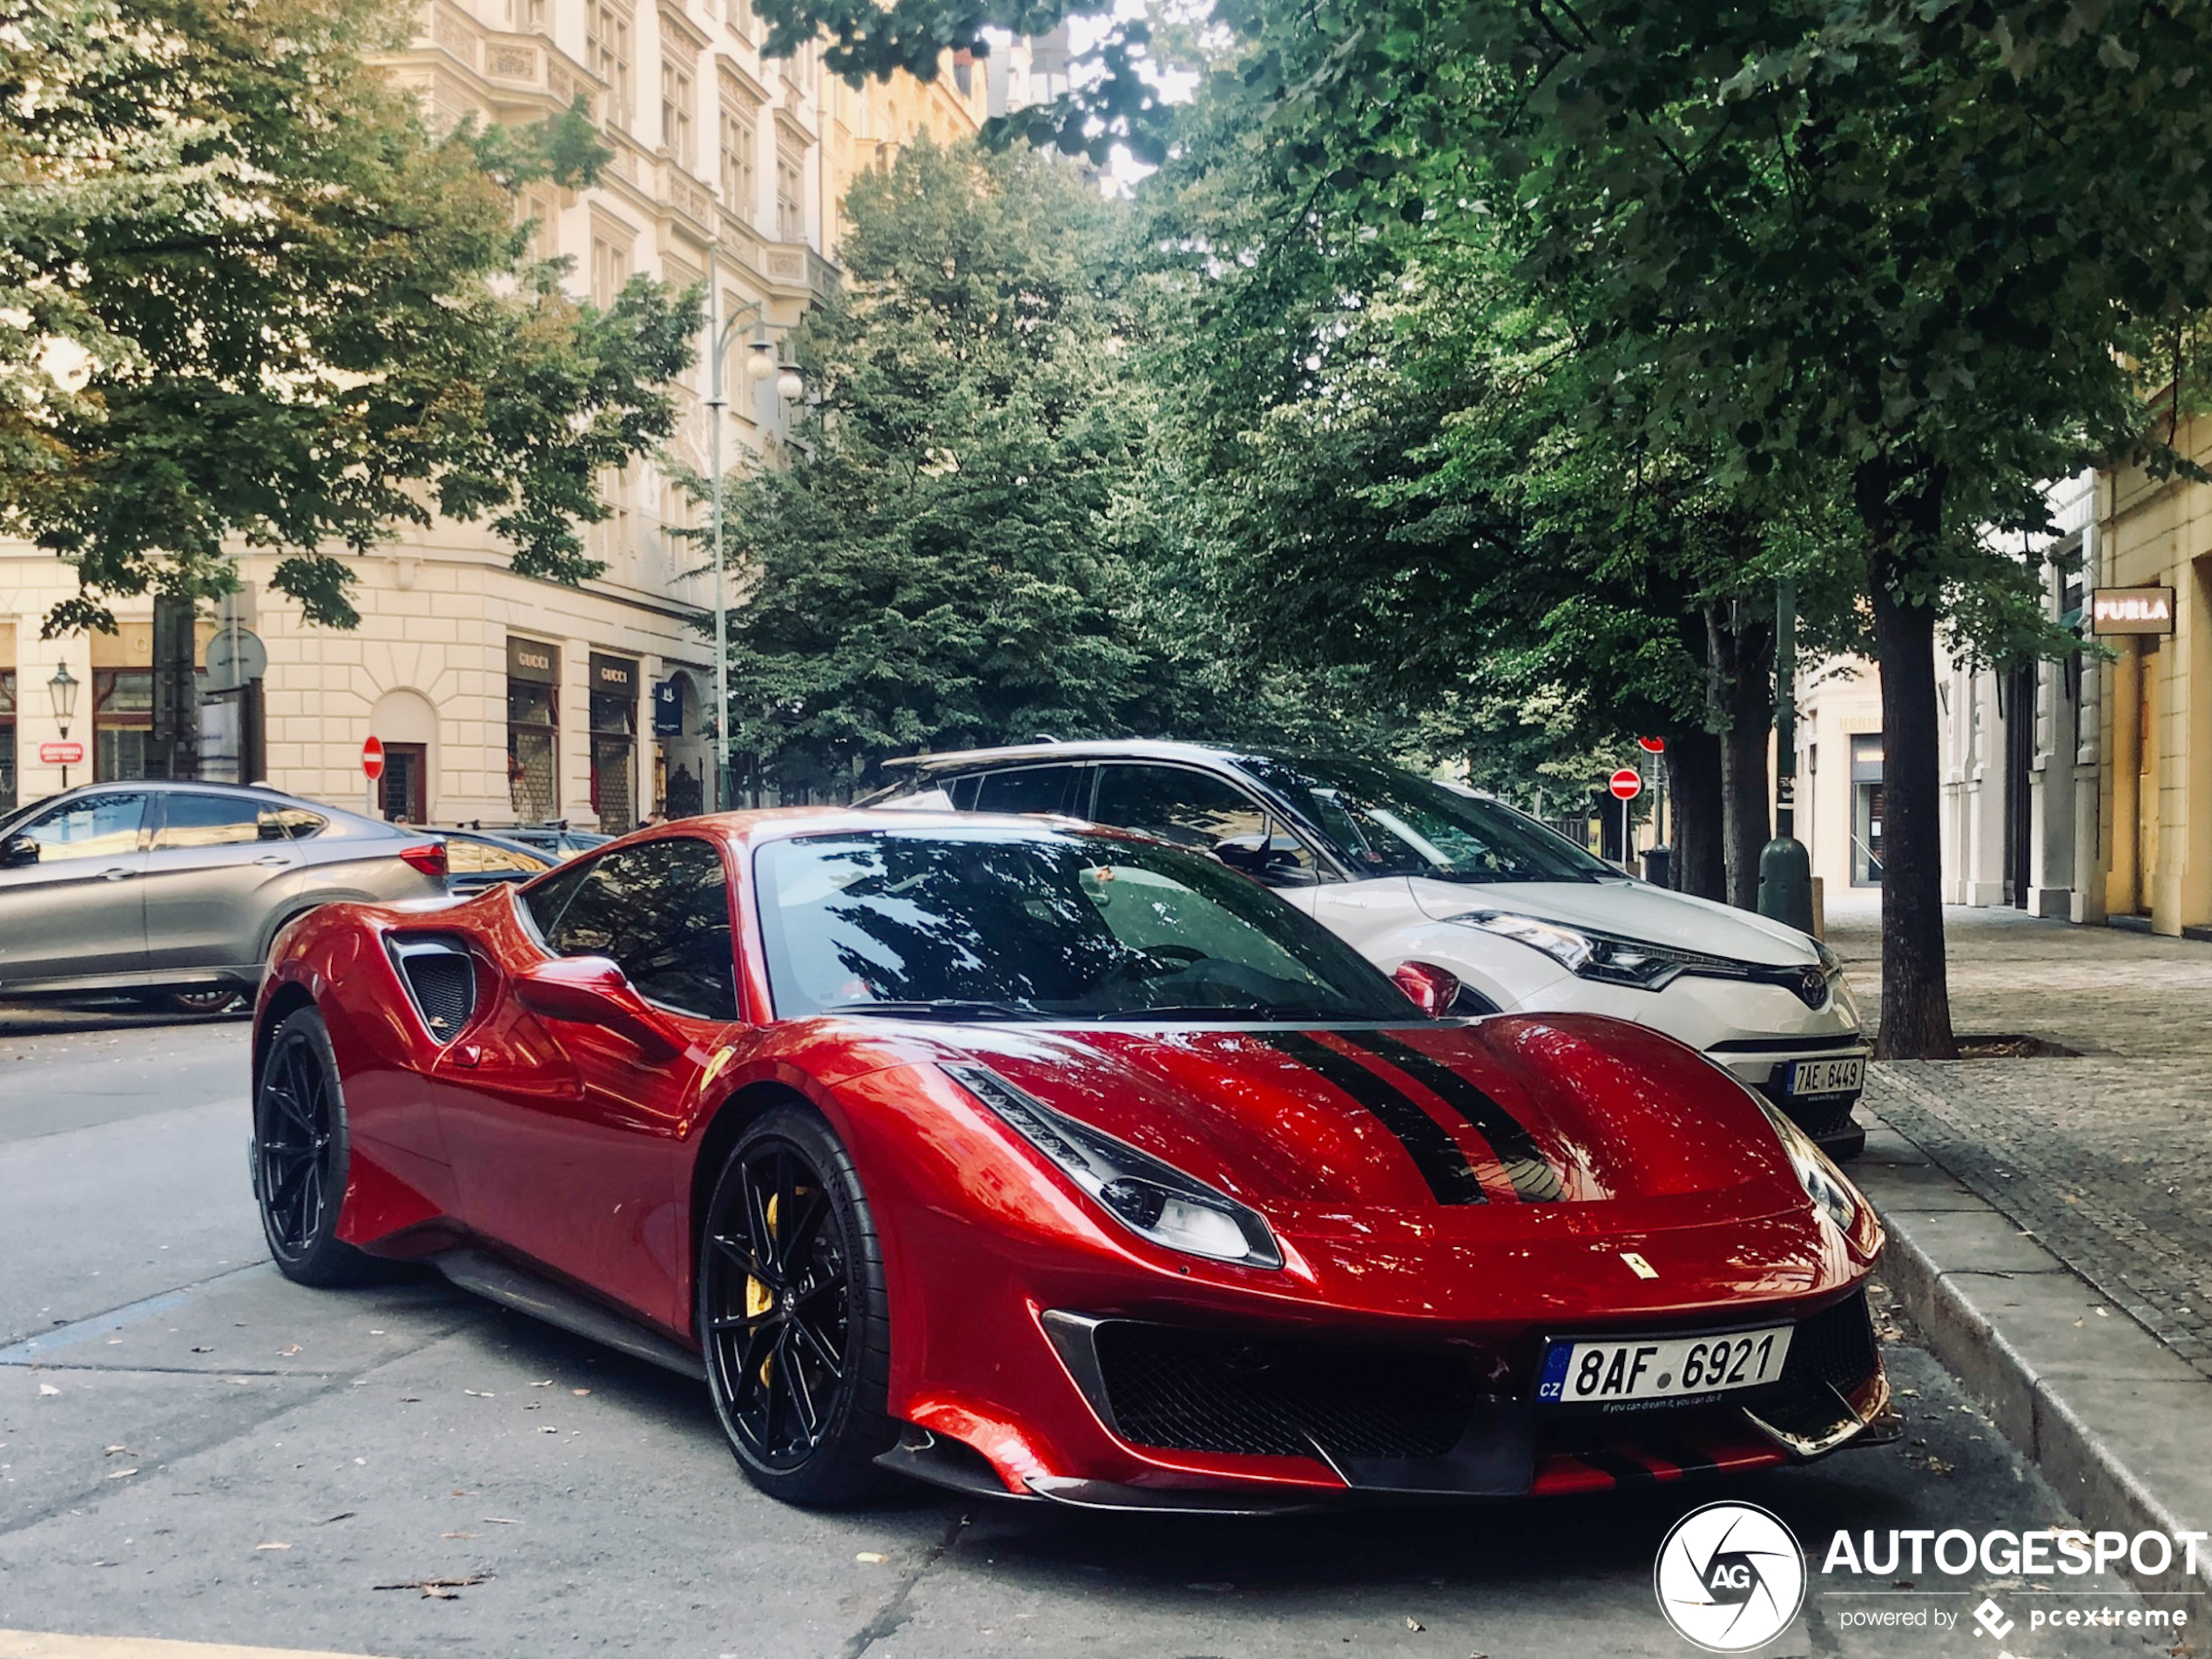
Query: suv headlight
{"points": [[1832, 1194], [1584, 953], [1154, 1200]]}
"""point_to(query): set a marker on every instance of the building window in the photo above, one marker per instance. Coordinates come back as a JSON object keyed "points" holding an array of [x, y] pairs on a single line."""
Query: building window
{"points": [[790, 197], [607, 49], [7, 738], [614, 742], [609, 267], [1866, 810], [741, 16], [122, 722], [533, 729], [542, 212], [676, 116], [740, 180]]}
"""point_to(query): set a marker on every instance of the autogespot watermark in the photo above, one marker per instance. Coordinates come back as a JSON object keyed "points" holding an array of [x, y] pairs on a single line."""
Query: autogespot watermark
{"points": [[1729, 1577]]}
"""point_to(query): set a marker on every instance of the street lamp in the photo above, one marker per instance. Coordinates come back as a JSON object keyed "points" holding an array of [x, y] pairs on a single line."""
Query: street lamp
{"points": [[760, 363], [62, 690]]}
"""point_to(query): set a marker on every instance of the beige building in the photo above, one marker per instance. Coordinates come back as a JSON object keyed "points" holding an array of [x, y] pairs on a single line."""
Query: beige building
{"points": [[500, 700]]}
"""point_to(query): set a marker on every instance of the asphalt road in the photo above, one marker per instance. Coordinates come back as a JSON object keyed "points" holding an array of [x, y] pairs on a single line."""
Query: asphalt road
{"points": [[190, 1447]]}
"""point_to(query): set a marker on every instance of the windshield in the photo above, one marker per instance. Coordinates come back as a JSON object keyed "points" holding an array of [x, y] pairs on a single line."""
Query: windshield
{"points": [[994, 924], [1381, 821]]}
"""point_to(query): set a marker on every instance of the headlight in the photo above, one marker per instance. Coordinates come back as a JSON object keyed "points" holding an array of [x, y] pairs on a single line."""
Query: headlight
{"points": [[1152, 1199], [1591, 955], [1831, 1195]]}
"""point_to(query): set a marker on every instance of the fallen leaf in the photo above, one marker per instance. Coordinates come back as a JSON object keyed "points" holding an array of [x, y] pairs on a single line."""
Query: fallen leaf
{"points": [[121, 1474], [1413, 1623], [125, 1450], [871, 1555], [272, 1546], [287, 1353], [48, 1388], [479, 1393], [504, 1521], [343, 1514], [579, 1392], [375, 1333], [2100, 1313], [548, 1383], [440, 1588], [456, 1535], [203, 1351], [548, 1428], [416, 1400], [458, 1493]]}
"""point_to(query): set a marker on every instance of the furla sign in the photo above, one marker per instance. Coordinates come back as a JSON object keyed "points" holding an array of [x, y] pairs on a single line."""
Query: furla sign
{"points": [[2132, 610]]}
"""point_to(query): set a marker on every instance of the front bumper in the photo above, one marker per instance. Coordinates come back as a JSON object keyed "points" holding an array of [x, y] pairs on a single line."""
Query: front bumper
{"points": [[1763, 1064], [1220, 1422]]}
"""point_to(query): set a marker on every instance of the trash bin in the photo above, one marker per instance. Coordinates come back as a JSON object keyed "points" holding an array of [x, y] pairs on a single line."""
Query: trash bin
{"points": [[1656, 864]]}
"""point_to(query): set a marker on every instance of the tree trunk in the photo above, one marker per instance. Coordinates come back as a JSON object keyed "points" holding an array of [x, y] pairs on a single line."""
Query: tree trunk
{"points": [[1916, 994], [1740, 662], [1693, 761]]}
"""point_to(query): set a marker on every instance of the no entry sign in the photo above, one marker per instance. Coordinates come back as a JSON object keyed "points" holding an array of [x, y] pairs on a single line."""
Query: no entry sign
{"points": [[1625, 783], [373, 758], [1652, 746]]}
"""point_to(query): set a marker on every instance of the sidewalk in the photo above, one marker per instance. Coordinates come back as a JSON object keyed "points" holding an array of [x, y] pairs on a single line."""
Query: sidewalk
{"points": [[2046, 1218]]}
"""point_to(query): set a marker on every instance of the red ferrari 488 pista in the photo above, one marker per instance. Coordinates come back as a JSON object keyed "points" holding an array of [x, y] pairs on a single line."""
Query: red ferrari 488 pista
{"points": [[1053, 1163]]}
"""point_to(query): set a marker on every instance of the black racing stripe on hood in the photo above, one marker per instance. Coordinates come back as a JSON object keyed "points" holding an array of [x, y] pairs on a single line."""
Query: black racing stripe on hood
{"points": [[1441, 1162], [1533, 1175]]}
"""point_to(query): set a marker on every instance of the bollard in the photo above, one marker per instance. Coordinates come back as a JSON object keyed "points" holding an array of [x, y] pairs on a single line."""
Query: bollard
{"points": [[1785, 883]]}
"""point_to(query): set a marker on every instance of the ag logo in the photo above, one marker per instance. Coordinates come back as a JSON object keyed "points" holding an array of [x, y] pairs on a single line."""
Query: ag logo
{"points": [[1729, 1577]]}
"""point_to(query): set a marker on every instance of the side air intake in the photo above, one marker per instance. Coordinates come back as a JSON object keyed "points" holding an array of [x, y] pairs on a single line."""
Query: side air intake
{"points": [[442, 978]]}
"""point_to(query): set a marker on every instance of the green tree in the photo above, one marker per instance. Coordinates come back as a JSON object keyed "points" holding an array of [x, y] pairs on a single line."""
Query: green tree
{"points": [[957, 548], [245, 294]]}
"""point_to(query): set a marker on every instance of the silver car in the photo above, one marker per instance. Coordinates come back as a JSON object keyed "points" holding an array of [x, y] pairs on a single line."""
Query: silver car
{"points": [[176, 890]]}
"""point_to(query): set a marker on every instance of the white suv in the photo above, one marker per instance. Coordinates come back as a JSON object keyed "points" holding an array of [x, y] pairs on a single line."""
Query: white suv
{"points": [[1410, 870]]}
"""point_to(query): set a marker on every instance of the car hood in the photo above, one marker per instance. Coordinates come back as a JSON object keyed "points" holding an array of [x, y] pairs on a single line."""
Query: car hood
{"points": [[1633, 909]]}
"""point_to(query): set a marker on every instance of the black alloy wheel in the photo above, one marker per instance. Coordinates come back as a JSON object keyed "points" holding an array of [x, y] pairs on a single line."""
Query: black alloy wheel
{"points": [[792, 1314], [300, 1155], [211, 999]]}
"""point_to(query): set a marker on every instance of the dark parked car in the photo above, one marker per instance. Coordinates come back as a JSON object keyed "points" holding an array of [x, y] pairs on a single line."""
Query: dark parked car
{"points": [[177, 890], [476, 860]]}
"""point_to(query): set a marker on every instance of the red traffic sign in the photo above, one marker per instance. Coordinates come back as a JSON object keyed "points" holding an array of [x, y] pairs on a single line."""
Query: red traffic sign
{"points": [[373, 758], [61, 754], [1652, 746], [1625, 783]]}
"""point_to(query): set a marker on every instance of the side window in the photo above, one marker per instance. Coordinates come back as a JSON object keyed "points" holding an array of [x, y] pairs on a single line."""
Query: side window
{"points": [[545, 900], [290, 824], [661, 912], [1207, 814], [1025, 789], [93, 827], [964, 791], [189, 820]]}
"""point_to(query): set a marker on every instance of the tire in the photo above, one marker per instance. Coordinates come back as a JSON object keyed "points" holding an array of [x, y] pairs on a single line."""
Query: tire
{"points": [[797, 1337], [208, 999], [300, 1156]]}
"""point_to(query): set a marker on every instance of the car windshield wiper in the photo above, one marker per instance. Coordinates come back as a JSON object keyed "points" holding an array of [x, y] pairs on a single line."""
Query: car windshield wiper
{"points": [[943, 1007]]}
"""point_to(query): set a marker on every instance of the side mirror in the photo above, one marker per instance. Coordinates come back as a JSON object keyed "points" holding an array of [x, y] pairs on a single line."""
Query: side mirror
{"points": [[1433, 989], [592, 990], [17, 852], [1267, 863]]}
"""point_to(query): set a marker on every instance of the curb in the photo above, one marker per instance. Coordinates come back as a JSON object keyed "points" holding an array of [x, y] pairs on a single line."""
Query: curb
{"points": [[2088, 1400]]}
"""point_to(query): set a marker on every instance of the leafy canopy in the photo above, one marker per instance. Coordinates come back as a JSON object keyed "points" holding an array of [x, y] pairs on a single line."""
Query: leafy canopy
{"points": [[246, 293]]}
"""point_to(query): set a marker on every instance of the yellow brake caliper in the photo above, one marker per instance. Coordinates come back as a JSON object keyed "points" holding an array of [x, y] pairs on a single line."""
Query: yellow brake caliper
{"points": [[758, 1298]]}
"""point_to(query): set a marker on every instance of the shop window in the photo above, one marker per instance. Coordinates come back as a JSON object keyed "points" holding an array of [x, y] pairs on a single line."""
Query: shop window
{"points": [[7, 738], [533, 729], [122, 722], [1866, 810], [614, 742]]}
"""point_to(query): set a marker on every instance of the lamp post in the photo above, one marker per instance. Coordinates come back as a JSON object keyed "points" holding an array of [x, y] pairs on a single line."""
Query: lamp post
{"points": [[760, 363], [62, 690]]}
